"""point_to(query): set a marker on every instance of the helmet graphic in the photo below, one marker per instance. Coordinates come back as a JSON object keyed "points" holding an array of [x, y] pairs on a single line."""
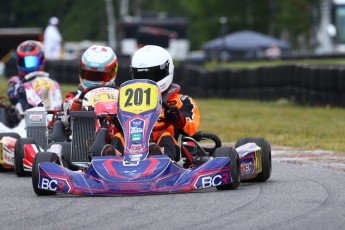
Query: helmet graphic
{"points": [[98, 66], [30, 57]]}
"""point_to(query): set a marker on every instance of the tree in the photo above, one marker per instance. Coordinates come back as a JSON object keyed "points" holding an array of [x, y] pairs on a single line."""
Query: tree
{"points": [[86, 19]]}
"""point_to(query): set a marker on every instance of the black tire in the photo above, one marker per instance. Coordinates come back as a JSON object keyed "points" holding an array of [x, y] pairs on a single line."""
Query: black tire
{"points": [[19, 155], [234, 166], [40, 158], [14, 135], [266, 160]]}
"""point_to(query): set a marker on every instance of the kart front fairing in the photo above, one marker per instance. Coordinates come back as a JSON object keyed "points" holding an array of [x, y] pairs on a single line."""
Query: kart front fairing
{"points": [[20, 128], [7, 145], [156, 174]]}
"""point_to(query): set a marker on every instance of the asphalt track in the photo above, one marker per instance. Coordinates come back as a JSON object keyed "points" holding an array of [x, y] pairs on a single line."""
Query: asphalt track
{"points": [[297, 196]]}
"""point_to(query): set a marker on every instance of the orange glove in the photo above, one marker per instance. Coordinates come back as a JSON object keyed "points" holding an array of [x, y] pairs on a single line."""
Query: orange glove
{"points": [[76, 104]]}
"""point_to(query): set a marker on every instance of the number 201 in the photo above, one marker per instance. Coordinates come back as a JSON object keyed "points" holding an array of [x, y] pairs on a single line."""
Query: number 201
{"points": [[137, 96]]}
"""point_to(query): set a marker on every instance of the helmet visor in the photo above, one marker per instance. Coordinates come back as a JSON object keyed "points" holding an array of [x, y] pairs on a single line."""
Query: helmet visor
{"points": [[96, 75], [155, 73], [30, 61]]}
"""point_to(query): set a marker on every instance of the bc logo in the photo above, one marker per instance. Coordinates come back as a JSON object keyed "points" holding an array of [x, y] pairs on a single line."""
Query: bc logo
{"points": [[49, 184], [208, 181]]}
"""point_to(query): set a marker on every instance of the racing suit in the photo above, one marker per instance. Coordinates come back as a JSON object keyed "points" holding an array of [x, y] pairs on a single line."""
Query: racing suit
{"points": [[187, 124], [16, 91]]}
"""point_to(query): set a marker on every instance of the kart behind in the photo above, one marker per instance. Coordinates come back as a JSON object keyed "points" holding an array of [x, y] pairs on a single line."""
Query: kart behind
{"points": [[39, 89], [138, 171], [102, 101], [44, 97]]}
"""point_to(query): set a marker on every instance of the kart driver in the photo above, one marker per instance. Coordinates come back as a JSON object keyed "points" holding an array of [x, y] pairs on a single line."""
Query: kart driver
{"points": [[30, 58], [181, 110], [98, 66]]}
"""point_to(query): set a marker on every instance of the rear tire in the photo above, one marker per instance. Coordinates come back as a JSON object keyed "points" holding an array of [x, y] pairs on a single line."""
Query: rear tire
{"points": [[40, 158], [234, 166], [13, 135], [19, 155], [266, 161]]}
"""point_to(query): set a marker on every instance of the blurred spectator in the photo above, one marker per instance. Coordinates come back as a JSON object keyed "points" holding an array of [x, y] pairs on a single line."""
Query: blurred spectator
{"points": [[53, 41], [273, 52]]}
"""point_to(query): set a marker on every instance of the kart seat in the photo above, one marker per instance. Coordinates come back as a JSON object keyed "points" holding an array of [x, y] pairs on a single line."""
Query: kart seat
{"points": [[99, 143], [58, 133]]}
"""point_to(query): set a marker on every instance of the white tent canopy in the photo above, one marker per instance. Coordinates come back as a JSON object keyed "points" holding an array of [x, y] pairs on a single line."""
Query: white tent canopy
{"points": [[242, 45]]}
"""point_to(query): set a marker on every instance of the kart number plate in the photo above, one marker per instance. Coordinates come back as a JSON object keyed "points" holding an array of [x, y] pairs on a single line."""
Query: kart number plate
{"points": [[138, 97], [103, 97], [39, 83]]}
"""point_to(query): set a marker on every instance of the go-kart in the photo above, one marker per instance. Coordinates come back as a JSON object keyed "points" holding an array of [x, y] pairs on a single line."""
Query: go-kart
{"points": [[102, 100], [138, 171], [39, 89], [44, 97]]}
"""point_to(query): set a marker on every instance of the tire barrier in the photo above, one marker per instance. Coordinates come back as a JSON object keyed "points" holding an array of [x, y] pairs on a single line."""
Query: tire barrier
{"points": [[308, 84], [315, 85]]}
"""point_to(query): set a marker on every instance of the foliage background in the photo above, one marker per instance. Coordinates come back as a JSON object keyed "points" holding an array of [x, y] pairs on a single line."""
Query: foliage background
{"points": [[291, 20]]}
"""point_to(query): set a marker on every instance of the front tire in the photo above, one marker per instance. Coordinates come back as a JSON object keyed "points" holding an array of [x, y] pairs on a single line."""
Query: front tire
{"points": [[266, 160], [40, 158], [234, 166]]}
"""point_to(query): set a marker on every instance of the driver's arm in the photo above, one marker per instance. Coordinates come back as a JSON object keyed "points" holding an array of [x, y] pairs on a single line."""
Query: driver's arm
{"points": [[189, 116]]}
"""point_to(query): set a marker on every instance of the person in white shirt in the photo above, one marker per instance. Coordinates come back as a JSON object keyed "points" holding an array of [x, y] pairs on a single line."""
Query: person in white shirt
{"points": [[53, 40]]}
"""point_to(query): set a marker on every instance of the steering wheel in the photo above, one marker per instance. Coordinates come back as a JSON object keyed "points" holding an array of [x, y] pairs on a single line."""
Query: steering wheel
{"points": [[34, 74]]}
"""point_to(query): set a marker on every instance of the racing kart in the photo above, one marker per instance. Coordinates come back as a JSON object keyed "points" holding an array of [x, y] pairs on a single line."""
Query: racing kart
{"points": [[39, 89], [138, 171], [44, 96], [102, 100]]}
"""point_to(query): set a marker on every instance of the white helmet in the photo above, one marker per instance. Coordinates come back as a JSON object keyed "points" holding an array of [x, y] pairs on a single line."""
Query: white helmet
{"points": [[154, 63], [98, 66]]}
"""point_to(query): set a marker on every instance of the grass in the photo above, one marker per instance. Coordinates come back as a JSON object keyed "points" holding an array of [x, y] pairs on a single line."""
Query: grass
{"points": [[280, 122]]}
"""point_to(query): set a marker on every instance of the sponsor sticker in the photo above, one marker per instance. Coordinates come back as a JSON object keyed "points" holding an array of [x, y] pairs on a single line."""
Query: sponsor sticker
{"points": [[35, 118], [136, 137]]}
